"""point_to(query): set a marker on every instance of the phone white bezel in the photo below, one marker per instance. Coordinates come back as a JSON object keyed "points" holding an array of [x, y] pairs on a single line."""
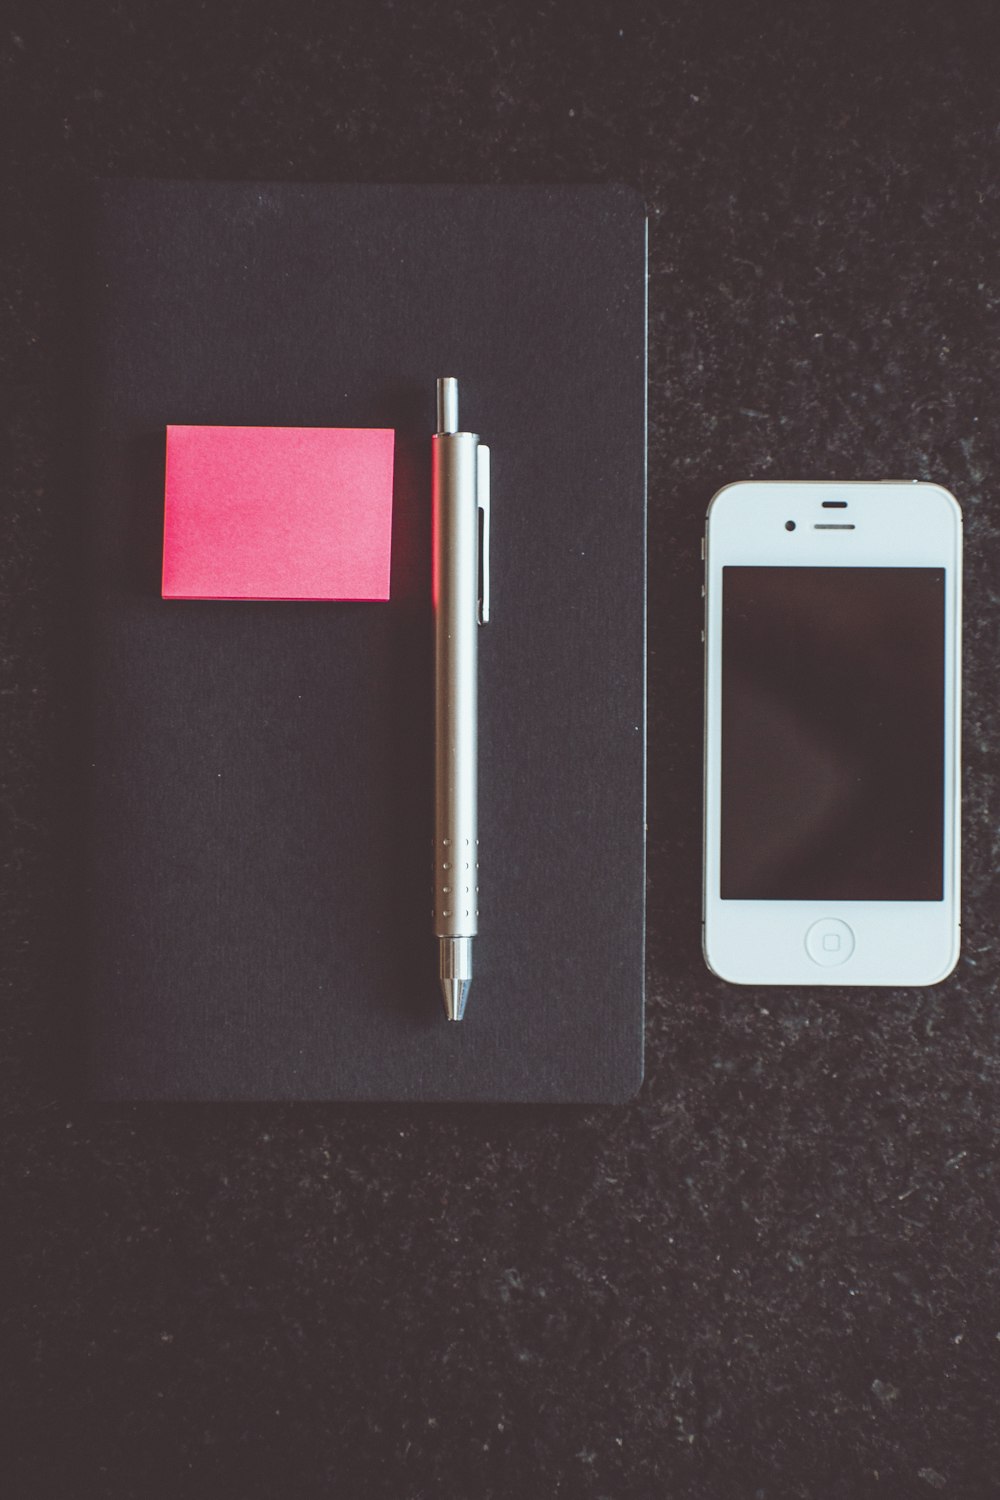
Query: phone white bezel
{"points": [[896, 524]]}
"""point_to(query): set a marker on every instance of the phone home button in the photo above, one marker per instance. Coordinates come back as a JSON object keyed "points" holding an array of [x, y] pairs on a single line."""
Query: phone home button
{"points": [[829, 941]]}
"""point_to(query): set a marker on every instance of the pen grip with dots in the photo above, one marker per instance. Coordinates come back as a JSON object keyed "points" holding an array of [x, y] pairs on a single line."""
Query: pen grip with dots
{"points": [[456, 597]]}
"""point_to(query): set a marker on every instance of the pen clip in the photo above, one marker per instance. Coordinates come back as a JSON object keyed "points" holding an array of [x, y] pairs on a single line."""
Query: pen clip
{"points": [[483, 503]]}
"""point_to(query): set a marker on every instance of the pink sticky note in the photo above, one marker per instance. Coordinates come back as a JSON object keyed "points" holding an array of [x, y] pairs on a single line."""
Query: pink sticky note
{"points": [[277, 513]]}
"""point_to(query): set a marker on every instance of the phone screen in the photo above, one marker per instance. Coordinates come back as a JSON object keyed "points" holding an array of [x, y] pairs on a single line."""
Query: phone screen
{"points": [[833, 733]]}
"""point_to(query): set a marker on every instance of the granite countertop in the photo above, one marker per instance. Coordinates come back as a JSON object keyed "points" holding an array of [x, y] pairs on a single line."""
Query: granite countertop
{"points": [[775, 1273]]}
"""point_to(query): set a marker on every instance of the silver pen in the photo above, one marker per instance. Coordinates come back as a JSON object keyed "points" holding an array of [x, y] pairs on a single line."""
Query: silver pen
{"points": [[460, 548]]}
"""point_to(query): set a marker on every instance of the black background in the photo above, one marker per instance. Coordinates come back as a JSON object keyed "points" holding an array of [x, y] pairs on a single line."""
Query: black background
{"points": [[775, 1274]]}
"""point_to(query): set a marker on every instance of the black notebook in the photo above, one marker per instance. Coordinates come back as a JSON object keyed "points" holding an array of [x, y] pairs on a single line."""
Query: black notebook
{"points": [[259, 775]]}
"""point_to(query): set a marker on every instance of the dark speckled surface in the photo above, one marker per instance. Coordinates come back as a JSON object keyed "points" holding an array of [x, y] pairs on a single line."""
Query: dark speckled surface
{"points": [[776, 1273]]}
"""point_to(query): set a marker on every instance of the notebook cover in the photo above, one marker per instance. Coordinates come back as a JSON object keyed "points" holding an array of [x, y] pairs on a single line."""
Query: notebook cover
{"points": [[259, 774]]}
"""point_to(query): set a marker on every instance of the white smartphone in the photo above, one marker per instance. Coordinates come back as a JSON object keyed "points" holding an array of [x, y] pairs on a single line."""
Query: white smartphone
{"points": [[832, 684]]}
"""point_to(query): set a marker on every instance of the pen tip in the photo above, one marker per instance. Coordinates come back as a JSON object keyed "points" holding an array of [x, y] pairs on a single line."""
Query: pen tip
{"points": [[456, 993]]}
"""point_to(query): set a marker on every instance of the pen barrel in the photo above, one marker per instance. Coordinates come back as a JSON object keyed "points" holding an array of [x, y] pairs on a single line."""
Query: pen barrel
{"points": [[455, 547]]}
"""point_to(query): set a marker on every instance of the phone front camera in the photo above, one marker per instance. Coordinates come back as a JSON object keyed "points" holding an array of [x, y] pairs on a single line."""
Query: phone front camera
{"points": [[789, 525]]}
